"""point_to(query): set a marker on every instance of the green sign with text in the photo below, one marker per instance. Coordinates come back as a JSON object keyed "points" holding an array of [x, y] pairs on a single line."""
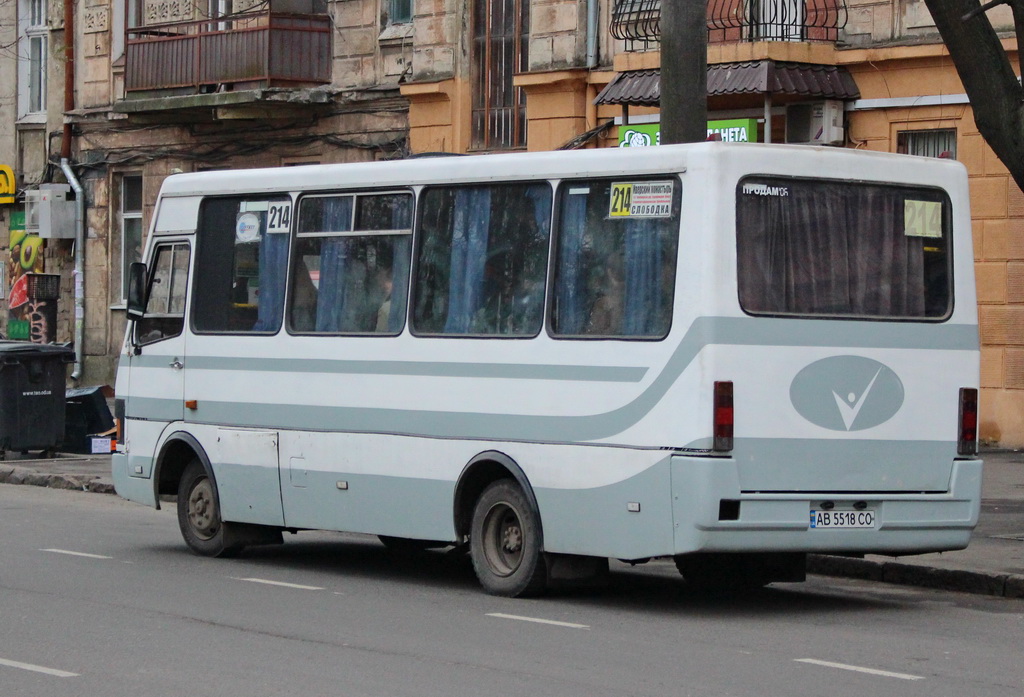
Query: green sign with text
{"points": [[730, 130]]}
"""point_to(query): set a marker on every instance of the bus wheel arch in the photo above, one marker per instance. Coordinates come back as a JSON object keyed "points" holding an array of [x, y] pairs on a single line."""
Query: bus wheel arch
{"points": [[175, 455], [479, 473], [497, 509]]}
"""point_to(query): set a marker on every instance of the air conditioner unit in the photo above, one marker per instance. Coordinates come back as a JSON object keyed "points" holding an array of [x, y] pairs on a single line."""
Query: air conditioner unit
{"points": [[815, 123], [49, 213]]}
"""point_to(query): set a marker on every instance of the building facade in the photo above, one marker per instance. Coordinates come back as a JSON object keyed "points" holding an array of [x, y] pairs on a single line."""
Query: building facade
{"points": [[160, 86]]}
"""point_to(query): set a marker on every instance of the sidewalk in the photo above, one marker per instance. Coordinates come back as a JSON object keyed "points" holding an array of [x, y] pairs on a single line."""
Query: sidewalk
{"points": [[993, 564]]}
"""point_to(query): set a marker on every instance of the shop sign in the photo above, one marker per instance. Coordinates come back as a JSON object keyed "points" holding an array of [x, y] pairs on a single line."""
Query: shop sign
{"points": [[730, 130], [7, 189]]}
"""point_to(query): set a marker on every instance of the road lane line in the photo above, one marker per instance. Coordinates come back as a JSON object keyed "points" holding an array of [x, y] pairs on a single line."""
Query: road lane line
{"points": [[860, 669], [278, 583], [76, 554], [520, 618], [38, 669]]}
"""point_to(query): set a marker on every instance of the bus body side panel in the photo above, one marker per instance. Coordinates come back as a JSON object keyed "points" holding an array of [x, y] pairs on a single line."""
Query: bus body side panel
{"points": [[245, 463], [405, 486]]}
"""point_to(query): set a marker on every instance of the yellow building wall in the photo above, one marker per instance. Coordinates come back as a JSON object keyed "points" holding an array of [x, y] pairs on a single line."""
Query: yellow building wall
{"points": [[997, 213]]}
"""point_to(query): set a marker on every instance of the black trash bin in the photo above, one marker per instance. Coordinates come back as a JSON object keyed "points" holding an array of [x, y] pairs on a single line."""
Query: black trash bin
{"points": [[32, 380]]}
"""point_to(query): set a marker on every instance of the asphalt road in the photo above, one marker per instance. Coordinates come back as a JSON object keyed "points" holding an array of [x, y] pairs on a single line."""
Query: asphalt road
{"points": [[100, 597]]}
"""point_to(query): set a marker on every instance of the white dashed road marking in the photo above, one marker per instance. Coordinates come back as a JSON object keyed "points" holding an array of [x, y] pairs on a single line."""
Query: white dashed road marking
{"points": [[38, 669], [76, 554], [571, 625], [279, 583], [860, 669]]}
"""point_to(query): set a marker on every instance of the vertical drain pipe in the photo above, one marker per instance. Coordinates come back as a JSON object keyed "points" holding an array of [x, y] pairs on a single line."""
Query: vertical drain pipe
{"points": [[65, 155], [79, 265], [592, 25]]}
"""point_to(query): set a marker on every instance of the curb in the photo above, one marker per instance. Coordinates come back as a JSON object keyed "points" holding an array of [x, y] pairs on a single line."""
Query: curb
{"points": [[22, 475], [959, 580]]}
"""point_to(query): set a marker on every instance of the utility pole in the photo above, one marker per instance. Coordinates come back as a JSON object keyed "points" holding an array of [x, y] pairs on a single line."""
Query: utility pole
{"points": [[684, 71]]}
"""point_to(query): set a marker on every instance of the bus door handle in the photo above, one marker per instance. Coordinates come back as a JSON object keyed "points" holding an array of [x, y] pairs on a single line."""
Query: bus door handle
{"points": [[176, 364]]}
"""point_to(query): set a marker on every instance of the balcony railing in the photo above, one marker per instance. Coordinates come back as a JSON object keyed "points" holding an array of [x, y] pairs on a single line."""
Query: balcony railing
{"points": [[638, 22], [259, 49]]}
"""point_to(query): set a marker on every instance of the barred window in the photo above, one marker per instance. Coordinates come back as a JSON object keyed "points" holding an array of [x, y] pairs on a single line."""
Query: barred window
{"points": [[939, 142], [501, 31]]}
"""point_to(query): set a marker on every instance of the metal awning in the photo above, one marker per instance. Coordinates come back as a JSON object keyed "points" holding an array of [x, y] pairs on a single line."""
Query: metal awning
{"points": [[643, 87]]}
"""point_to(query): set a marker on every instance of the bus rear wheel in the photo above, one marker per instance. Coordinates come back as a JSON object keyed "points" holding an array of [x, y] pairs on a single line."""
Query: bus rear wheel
{"points": [[199, 514], [505, 544]]}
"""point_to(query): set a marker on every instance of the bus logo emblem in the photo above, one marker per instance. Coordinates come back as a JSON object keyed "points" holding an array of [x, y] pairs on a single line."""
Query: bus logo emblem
{"points": [[846, 393]]}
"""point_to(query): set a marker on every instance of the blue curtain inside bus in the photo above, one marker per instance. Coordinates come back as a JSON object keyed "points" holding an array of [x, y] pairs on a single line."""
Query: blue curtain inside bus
{"points": [[571, 310], [472, 220], [643, 278], [273, 268], [330, 303], [399, 282]]}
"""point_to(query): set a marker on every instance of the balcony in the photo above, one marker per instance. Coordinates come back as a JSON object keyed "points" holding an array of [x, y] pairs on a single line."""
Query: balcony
{"points": [[637, 22], [250, 51]]}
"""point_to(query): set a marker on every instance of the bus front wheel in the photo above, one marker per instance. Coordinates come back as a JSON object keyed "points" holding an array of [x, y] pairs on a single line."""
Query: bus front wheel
{"points": [[199, 514], [505, 544]]}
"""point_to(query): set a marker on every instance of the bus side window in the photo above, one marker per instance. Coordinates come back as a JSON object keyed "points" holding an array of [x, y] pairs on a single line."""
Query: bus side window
{"points": [[482, 260], [241, 265], [168, 285], [615, 258], [350, 271]]}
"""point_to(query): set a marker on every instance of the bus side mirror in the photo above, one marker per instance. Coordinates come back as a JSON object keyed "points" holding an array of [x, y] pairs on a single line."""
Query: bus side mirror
{"points": [[136, 291]]}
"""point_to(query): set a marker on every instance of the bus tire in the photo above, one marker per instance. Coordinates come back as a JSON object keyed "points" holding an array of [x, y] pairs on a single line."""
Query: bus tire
{"points": [[199, 514], [505, 542]]}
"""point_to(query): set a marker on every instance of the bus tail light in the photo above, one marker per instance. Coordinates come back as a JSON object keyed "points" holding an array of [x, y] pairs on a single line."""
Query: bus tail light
{"points": [[967, 440], [723, 417]]}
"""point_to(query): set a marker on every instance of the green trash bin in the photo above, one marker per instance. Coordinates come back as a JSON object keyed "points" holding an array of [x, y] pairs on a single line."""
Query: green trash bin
{"points": [[32, 380]]}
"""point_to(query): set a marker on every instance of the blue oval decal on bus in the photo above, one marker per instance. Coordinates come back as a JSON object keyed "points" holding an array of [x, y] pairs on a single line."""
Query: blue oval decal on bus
{"points": [[846, 393]]}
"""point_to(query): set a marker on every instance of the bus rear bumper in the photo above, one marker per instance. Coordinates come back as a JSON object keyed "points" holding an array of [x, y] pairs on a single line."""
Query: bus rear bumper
{"points": [[711, 514]]}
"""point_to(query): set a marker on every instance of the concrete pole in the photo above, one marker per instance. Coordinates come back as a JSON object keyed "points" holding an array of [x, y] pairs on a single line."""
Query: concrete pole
{"points": [[684, 71]]}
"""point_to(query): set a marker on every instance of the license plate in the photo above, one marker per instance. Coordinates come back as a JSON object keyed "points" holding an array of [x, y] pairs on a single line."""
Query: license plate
{"points": [[843, 520]]}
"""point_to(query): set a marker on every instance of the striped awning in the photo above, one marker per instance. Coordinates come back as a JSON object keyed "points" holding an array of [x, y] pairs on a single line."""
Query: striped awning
{"points": [[643, 87]]}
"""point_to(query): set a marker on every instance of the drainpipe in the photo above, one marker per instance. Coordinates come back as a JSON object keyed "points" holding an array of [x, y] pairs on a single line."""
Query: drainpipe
{"points": [[79, 265], [65, 154], [69, 75], [592, 9]]}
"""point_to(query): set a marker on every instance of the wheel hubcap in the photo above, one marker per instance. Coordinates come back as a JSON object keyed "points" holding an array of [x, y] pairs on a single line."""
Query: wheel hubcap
{"points": [[503, 539], [202, 512]]}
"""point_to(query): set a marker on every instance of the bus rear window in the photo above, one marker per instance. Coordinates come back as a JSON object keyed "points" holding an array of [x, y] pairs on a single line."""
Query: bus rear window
{"points": [[823, 248]]}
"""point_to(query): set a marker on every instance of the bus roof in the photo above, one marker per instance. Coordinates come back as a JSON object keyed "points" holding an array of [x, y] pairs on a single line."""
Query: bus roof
{"points": [[796, 160]]}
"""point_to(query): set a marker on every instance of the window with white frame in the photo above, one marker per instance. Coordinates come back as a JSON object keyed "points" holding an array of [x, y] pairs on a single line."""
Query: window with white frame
{"points": [[33, 33], [934, 142], [131, 226]]}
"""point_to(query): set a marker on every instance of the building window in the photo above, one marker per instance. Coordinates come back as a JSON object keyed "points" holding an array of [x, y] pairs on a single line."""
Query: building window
{"points": [[32, 42], [778, 20], [501, 31], [131, 227], [931, 143], [399, 11]]}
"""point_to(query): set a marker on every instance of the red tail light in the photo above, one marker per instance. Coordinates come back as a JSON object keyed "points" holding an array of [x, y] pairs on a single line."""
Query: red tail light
{"points": [[967, 441], [723, 417]]}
